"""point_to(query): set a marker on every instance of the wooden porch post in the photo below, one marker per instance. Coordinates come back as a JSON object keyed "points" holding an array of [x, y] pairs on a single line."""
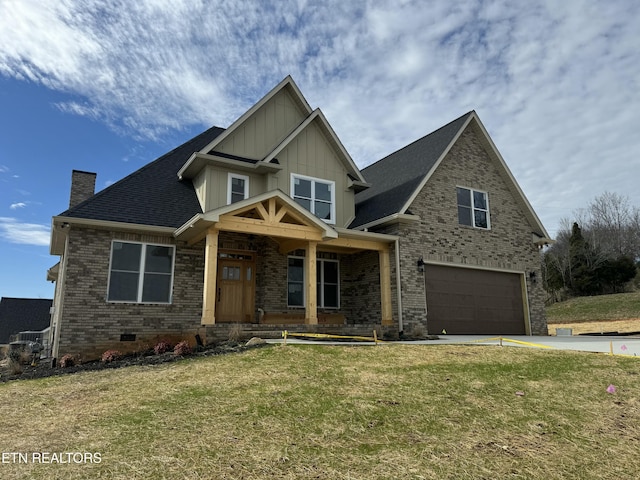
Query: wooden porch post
{"points": [[311, 304], [385, 287], [210, 278]]}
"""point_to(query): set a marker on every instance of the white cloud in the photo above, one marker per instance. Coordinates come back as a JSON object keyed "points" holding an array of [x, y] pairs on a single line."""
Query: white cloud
{"points": [[16, 205], [556, 85], [4, 169], [15, 231]]}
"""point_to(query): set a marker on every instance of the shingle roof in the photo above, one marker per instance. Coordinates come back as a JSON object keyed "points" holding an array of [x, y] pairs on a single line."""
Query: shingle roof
{"points": [[395, 178], [22, 314], [152, 195]]}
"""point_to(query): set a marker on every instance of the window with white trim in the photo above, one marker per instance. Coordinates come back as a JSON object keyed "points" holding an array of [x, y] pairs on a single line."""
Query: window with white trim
{"points": [[473, 208], [327, 285], [237, 188], [316, 195], [140, 272]]}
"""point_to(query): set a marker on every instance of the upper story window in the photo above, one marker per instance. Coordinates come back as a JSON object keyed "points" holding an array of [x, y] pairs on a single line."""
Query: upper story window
{"points": [[473, 208], [316, 195], [140, 273], [237, 188]]}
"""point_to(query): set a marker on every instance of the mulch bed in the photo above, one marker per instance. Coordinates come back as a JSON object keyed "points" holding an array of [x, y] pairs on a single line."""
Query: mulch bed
{"points": [[43, 368]]}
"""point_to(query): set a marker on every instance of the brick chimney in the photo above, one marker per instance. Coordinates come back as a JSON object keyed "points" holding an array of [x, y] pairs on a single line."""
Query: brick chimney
{"points": [[83, 186]]}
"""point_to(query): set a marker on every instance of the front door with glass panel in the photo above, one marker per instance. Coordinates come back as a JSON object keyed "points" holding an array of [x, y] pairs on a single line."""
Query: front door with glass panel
{"points": [[236, 288]]}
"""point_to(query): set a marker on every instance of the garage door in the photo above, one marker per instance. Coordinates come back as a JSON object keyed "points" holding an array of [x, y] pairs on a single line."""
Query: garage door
{"points": [[474, 302]]}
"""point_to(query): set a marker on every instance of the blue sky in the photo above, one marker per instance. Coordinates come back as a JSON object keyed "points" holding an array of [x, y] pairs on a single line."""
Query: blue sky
{"points": [[109, 86]]}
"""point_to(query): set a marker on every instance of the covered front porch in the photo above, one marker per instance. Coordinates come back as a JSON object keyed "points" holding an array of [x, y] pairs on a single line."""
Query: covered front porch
{"points": [[271, 265]]}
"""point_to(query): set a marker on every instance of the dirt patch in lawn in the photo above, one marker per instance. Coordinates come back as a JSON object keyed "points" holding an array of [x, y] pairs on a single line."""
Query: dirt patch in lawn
{"points": [[599, 326]]}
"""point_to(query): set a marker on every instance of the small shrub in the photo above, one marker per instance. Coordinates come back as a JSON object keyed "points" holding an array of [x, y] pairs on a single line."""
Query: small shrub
{"points": [[162, 347], [111, 356], [67, 361], [15, 367], [182, 348]]}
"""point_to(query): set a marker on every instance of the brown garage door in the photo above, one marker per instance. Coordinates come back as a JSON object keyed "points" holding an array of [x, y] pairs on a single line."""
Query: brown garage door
{"points": [[474, 302]]}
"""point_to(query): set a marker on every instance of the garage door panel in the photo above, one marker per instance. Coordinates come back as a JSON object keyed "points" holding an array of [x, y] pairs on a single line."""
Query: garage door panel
{"points": [[470, 301]]}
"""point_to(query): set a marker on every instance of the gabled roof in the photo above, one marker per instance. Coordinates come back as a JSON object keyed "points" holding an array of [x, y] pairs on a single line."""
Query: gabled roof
{"points": [[398, 178], [23, 314], [152, 195], [287, 84], [395, 178], [318, 117]]}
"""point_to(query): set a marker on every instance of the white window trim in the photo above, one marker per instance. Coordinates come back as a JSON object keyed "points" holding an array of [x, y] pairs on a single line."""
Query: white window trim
{"points": [[332, 219], [473, 217], [319, 278], [141, 273], [230, 178]]}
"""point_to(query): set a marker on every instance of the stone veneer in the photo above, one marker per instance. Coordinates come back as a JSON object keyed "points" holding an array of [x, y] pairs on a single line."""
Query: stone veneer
{"points": [[438, 237]]}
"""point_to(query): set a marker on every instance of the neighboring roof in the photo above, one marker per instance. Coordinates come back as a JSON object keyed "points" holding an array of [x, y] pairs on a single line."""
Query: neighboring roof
{"points": [[152, 195], [23, 314], [395, 178]]}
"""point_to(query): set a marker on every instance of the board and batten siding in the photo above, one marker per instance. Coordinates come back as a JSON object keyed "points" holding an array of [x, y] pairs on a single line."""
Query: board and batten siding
{"points": [[311, 155], [265, 129]]}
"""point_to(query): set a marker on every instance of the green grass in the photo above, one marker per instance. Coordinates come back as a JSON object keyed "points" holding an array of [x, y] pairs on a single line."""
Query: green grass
{"points": [[337, 412], [619, 306]]}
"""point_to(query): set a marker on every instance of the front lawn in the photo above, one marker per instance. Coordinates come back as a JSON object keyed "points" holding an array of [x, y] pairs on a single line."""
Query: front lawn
{"points": [[333, 412]]}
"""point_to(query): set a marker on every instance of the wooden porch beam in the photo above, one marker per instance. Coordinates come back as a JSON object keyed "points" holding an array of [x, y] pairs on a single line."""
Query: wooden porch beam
{"points": [[357, 244], [311, 300], [210, 278], [258, 227]]}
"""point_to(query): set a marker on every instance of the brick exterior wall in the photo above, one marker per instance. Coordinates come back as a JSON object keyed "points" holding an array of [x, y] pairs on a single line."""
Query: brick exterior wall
{"points": [[438, 237], [83, 186], [89, 325]]}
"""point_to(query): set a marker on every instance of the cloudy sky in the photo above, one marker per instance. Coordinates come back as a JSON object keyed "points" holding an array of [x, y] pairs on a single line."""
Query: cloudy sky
{"points": [[107, 86]]}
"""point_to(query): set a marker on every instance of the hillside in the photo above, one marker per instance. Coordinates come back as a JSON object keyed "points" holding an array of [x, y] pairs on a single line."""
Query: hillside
{"points": [[603, 313]]}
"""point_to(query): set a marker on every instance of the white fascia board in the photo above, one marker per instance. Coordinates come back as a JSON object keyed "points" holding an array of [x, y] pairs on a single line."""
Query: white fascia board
{"points": [[395, 218], [199, 160], [361, 235]]}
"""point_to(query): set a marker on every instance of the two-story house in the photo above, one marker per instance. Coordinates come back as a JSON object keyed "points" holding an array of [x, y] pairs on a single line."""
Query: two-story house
{"points": [[269, 224]]}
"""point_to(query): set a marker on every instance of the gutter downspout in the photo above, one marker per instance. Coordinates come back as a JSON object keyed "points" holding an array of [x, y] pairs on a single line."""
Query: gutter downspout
{"points": [[399, 286]]}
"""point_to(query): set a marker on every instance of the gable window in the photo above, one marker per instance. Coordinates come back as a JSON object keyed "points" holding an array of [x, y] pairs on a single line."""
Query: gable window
{"points": [[237, 188], [317, 196], [327, 285], [473, 208], [140, 273]]}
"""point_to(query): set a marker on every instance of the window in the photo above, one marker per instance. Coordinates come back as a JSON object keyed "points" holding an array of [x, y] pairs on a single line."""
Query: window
{"points": [[295, 282], [237, 188], [140, 273], [328, 283], [317, 196], [473, 208]]}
